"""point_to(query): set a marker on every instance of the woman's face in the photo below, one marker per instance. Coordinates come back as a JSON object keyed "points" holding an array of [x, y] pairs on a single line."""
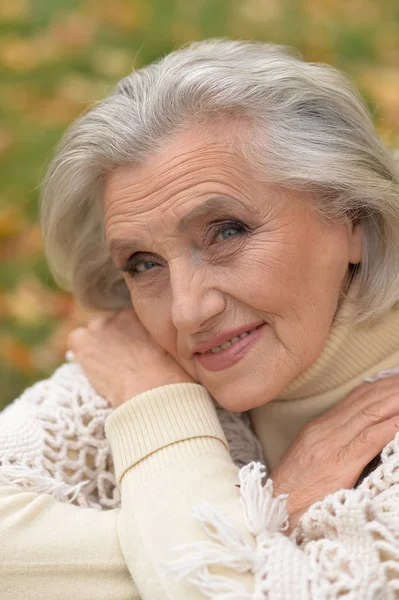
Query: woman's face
{"points": [[210, 253]]}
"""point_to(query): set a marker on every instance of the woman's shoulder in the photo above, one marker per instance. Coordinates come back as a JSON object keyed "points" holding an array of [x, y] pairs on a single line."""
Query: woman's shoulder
{"points": [[63, 403]]}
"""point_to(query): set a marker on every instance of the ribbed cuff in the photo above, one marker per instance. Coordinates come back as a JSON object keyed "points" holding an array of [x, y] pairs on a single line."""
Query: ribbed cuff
{"points": [[157, 418]]}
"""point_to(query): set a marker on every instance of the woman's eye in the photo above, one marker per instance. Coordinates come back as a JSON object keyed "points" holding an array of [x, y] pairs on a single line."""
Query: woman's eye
{"points": [[229, 231], [145, 265], [135, 266]]}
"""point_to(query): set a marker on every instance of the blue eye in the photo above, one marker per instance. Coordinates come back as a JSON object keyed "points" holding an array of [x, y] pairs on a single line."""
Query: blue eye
{"points": [[135, 266], [145, 265], [226, 233]]}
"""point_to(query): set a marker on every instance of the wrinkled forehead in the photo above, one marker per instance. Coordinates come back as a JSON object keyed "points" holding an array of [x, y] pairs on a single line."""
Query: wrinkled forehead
{"points": [[187, 173], [191, 160]]}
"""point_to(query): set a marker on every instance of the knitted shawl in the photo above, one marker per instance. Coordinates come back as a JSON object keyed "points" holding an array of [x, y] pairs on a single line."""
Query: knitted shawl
{"points": [[346, 546]]}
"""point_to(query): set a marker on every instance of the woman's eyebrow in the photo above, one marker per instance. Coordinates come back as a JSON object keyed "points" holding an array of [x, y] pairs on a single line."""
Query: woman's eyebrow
{"points": [[206, 208]]}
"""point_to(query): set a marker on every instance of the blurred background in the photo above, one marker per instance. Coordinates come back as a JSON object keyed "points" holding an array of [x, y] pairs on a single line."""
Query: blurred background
{"points": [[59, 56]]}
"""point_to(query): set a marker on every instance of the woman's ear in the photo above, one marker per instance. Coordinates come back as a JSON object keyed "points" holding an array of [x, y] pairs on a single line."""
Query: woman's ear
{"points": [[355, 241]]}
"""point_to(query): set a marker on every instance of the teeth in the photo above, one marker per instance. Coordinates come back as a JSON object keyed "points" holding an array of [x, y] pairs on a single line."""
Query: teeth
{"points": [[230, 342], [226, 345]]}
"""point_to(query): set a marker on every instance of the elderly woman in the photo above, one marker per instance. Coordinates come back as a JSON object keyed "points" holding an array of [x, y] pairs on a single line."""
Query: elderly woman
{"points": [[233, 208]]}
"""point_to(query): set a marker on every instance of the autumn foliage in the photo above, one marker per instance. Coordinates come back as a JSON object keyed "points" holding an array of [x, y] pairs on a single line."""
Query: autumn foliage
{"points": [[57, 57]]}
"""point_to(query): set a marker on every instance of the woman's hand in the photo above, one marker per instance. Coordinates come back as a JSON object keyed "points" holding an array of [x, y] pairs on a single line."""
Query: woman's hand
{"points": [[121, 359], [331, 452]]}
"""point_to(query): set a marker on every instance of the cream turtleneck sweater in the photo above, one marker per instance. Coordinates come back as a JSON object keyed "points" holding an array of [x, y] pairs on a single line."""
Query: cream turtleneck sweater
{"points": [[351, 353]]}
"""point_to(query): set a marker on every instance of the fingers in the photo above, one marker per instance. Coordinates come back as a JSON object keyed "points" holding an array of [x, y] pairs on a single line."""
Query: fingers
{"points": [[362, 397], [375, 389], [332, 451], [370, 442], [365, 420], [108, 328], [124, 317], [373, 412]]}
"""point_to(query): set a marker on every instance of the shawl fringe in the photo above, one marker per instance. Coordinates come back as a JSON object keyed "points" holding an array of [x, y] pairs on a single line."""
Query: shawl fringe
{"points": [[262, 513], [33, 480]]}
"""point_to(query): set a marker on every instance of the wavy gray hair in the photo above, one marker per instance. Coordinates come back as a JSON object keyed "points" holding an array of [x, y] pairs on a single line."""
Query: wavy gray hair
{"points": [[305, 127]]}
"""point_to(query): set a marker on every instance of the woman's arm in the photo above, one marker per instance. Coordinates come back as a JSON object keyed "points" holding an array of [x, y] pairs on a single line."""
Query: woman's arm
{"points": [[169, 459], [52, 447], [50, 439], [56, 551], [170, 454]]}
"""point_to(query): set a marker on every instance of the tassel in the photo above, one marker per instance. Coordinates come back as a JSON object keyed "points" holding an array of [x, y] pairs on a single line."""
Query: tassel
{"points": [[33, 480], [263, 515], [219, 588], [262, 511], [228, 549]]}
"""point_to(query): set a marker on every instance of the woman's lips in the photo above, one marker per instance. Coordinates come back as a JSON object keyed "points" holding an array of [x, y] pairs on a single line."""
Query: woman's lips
{"points": [[231, 355]]}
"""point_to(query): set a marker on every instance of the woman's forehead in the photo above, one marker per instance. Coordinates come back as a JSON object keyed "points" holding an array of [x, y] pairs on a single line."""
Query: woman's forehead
{"points": [[173, 190], [176, 177]]}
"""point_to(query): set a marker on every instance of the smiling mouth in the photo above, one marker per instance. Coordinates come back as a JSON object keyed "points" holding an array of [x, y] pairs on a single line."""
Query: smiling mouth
{"points": [[230, 342]]}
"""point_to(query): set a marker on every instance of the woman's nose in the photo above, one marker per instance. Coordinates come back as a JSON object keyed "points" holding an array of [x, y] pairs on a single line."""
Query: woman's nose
{"points": [[195, 300]]}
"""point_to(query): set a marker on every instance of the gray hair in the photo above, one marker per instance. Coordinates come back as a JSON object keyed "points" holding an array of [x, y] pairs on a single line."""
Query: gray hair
{"points": [[305, 127]]}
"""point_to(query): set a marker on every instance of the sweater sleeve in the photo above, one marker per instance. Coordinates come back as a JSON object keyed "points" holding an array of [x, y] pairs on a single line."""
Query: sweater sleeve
{"points": [[56, 474], [51, 550], [202, 528], [58, 538]]}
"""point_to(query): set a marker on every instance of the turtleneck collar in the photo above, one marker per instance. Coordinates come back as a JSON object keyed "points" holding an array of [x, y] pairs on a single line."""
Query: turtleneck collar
{"points": [[351, 353]]}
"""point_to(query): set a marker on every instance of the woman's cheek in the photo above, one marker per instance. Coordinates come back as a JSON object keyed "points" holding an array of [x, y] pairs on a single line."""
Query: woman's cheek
{"points": [[155, 320], [153, 312], [143, 309]]}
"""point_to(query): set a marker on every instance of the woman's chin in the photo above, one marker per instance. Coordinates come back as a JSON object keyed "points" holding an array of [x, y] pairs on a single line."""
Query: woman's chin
{"points": [[236, 398], [245, 391]]}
